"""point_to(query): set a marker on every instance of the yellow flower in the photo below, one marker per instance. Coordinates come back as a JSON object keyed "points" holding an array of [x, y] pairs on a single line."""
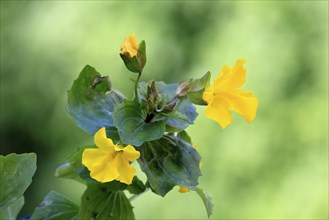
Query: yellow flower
{"points": [[110, 162], [225, 95], [130, 46]]}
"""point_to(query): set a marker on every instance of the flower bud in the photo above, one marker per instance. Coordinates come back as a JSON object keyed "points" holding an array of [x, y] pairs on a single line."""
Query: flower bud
{"points": [[133, 54]]}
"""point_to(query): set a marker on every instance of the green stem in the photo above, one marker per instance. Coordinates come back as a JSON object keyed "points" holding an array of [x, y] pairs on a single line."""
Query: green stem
{"points": [[136, 86]]}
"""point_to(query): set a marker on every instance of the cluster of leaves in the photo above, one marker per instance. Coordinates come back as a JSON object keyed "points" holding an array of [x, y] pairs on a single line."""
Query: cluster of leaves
{"points": [[153, 121]]}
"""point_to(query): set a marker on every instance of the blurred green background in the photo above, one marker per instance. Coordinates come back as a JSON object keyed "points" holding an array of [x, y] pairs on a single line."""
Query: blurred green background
{"points": [[274, 168]]}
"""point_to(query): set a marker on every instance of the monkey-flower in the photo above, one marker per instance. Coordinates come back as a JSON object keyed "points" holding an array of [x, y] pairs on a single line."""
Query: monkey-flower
{"points": [[109, 161], [225, 95]]}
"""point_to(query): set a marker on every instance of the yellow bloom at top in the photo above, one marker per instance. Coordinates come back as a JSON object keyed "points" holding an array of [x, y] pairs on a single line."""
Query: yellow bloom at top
{"points": [[130, 46], [225, 95], [108, 161]]}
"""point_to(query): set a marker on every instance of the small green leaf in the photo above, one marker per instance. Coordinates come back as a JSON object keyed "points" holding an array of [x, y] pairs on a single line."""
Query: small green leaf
{"points": [[129, 119], [68, 170], [184, 136], [101, 203], [206, 200], [56, 207], [12, 210], [136, 187], [16, 172], [168, 162], [91, 100]]}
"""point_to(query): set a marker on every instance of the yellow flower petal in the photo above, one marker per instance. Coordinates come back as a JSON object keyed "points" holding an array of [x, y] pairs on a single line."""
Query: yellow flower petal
{"points": [[245, 103], [218, 110], [105, 171], [130, 46], [129, 153], [126, 171], [90, 155], [208, 94], [231, 78], [99, 163], [102, 141]]}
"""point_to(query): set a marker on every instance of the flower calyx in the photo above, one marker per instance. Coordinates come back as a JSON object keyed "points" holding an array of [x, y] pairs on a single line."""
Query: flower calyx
{"points": [[194, 89]]}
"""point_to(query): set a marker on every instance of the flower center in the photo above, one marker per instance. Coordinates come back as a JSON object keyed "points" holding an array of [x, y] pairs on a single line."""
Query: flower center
{"points": [[115, 153]]}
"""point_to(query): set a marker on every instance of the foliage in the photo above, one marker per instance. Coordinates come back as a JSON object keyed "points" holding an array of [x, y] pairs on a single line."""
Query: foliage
{"points": [[149, 127], [143, 122], [291, 85], [16, 172], [91, 100], [168, 162], [105, 202], [55, 206]]}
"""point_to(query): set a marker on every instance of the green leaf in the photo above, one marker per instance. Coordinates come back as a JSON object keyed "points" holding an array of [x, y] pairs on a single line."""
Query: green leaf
{"points": [[168, 162], [207, 200], [186, 111], [12, 210], [113, 134], [184, 136], [74, 169], [101, 203], [136, 187], [16, 172], [129, 119], [91, 100], [196, 89], [56, 207]]}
